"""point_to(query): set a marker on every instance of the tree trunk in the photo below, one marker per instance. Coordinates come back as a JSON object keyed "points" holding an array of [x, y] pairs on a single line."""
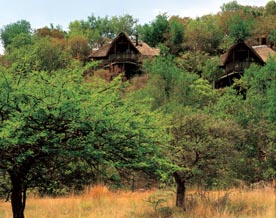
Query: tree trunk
{"points": [[180, 190], [18, 197]]}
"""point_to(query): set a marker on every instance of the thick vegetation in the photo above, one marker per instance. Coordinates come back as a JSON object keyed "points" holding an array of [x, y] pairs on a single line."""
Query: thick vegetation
{"points": [[59, 132]]}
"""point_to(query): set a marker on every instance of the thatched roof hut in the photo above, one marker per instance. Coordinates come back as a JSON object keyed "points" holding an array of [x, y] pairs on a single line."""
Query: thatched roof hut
{"points": [[243, 52], [140, 48], [239, 57], [123, 55]]}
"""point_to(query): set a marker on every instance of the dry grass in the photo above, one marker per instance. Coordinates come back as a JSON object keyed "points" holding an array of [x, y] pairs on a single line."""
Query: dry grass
{"points": [[99, 202], [259, 203]]}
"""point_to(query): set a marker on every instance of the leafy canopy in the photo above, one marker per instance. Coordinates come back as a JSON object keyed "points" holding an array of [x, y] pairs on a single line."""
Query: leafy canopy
{"points": [[10, 31], [51, 123]]}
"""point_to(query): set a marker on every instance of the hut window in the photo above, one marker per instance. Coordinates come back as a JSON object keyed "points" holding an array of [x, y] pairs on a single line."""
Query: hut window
{"points": [[263, 41]]}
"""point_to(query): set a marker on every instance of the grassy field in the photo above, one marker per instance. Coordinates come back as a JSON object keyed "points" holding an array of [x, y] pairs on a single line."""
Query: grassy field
{"points": [[99, 202]]}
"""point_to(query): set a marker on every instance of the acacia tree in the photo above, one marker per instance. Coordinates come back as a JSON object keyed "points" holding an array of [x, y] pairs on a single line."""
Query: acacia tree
{"points": [[49, 122], [202, 147]]}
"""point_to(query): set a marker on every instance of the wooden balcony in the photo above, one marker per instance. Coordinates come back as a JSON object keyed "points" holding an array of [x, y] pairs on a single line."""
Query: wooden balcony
{"points": [[238, 66], [123, 57]]}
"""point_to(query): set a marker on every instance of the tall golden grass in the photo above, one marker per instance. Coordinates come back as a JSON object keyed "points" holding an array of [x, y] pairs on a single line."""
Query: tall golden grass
{"points": [[99, 202]]}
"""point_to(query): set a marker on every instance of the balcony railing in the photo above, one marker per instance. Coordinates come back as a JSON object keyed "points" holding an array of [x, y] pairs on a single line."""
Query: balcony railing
{"points": [[123, 57], [237, 66]]}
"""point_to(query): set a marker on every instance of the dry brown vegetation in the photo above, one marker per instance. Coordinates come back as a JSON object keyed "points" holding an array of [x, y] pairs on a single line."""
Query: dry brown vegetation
{"points": [[99, 202]]}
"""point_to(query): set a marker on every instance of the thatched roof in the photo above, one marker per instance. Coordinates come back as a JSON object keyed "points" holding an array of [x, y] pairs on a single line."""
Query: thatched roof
{"points": [[101, 52], [224, 57], [146, 50], [142, 48], [262, 52]]}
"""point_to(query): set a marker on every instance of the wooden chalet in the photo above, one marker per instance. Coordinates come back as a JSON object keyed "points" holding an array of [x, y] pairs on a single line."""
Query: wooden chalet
{"points": [[238, 58], [123, 55]]}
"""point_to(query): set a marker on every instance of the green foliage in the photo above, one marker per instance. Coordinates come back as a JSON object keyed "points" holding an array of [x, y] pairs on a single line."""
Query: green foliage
{"points": [[193, 62], [112, 26], [100, 24], [211, 70], [203, 34], [176, 30], [230, 6], [56, 127], [175, 35], [10, 31], [202, 93], [42, 54], [125, 23], [50, 55], [47, 117], [240, 28], [261, 92], [169, 83], [155, 32], [272, 36], [97, 30], [50, 119], [230, 106], [256, 114], [270, 8], [226, 43], [20, 41], [204, 147]]}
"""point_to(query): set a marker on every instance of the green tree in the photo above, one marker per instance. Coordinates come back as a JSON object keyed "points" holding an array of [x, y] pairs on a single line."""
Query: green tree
{"points": [[176, 30], [203, 148], [20, 41], [48, 122], [193, 61], [239, 28], [169, 83], [230, 6], [79, 28], [10, 31], [100, 24], [47, 54], [204, 34], [21, 58], [156, 32], [211, 70], [272, 37], [270, 8], [82, 29], [176, 35], [260, 100], [256, 114], [202, 94], [125, 23]]}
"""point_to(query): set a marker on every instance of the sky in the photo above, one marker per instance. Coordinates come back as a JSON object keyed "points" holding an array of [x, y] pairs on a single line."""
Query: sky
{"points": [[41, 13]]}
